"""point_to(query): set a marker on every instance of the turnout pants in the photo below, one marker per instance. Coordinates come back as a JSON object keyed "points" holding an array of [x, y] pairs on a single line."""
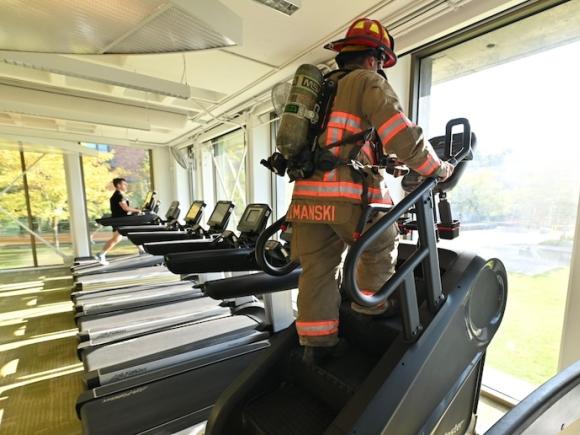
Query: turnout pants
{"points": [[319, 248]]}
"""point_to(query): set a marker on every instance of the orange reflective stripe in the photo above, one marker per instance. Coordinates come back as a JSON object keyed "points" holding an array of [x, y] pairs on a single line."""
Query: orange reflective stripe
{"points": [[429, 166], [393, 126], [317, 329], [338, 189]]}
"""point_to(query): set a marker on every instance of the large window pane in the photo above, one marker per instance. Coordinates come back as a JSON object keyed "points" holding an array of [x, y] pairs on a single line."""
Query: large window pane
{"points": [[15, 242], [113, 161], [48, 204], [229, 156], [518, 199]]}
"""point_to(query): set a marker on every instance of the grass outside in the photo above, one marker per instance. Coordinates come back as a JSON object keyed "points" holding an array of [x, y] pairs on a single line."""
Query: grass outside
{"points": [[527, 345]]}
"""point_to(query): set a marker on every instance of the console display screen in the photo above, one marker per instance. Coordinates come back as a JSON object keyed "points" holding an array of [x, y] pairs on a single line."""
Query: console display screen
{"points": [[193, 211], [218, 214], [148, 198], [253, 216]]}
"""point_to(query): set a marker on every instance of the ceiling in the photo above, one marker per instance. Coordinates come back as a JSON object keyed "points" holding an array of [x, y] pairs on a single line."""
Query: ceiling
{"points": [[163, 99]]}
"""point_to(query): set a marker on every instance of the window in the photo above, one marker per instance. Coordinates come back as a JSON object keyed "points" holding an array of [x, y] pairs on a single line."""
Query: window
{"points": [[229, 159], [34, 197], [517, 200], [134, 164]]}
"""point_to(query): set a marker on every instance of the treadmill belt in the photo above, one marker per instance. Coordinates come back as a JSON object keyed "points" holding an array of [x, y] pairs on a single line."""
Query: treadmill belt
{"points": [[104, 329], [136, 299], [152, 344]]}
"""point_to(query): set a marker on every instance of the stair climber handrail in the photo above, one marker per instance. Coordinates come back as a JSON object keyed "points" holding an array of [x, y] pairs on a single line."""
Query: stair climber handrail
{"points": [[261, 251], [423, 200]]}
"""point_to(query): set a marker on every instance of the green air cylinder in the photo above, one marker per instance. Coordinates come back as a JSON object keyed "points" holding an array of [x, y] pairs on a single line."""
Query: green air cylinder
{"points": [[299, 111]]}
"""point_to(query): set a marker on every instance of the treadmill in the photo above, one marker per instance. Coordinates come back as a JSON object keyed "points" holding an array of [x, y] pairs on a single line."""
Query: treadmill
{"points": [[110, 327], [171, 221], [149, 208], [128, 262], [148, 216], [252, 222], [170, 391], [95, 298], [217, 223]]}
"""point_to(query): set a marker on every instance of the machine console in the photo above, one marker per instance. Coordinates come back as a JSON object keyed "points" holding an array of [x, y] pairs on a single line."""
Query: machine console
{"points": [[149, 202], [173, 211], [254, 219], [194, 213], [220, 216]]}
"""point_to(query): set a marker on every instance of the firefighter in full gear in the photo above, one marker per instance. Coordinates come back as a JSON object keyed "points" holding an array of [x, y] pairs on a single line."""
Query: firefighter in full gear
{"points": [[326, 206]]}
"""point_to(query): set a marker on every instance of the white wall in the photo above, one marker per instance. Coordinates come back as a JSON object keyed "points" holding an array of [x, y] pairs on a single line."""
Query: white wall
{"points": [[171, 181], [400, 79], [570, 345]]}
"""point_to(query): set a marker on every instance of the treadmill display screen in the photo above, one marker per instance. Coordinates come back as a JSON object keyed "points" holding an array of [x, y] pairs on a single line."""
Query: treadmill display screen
{"points": [[253, 216], [219, 214], [193, 211], [147, 202]]}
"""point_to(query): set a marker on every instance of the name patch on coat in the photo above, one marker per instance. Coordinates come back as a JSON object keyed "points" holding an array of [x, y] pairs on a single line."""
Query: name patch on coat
{"points": [[312, 213]]}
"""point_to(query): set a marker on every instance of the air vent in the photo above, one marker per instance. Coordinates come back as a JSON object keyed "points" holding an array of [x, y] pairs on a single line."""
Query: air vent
{"points": [[124, 27], [287, 7]]}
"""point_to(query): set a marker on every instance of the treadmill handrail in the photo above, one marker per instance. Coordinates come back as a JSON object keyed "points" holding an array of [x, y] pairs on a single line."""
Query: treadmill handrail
{"points": [[531, 409]]}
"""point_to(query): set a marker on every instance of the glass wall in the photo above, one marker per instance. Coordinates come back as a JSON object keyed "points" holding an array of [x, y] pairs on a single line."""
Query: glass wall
{"points": [[134, 164], [15, 242], [33, 196], [518, 198], [229, 158]]}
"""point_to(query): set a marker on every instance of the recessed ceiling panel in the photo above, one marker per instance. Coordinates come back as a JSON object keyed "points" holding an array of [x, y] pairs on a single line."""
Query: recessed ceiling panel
{"points": [[69, 26], [115, 26], [171, 31]]}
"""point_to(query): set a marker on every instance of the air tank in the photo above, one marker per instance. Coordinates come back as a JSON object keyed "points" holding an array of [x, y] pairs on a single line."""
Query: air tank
{"points": [[299, 111]]}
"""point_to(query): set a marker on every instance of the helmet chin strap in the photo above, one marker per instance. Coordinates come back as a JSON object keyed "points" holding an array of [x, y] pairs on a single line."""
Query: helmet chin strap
{"points": [[382, 73]]}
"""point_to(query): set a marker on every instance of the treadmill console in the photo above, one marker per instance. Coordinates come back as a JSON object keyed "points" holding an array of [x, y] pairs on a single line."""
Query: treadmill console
{"points": [[254, 219], [194, 213], [150, 201], [173, 211], [220, 216]]}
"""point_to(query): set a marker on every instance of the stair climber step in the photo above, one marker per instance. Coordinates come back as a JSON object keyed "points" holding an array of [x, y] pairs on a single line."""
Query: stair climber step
{"points": [[288, 410], [319, 382]]}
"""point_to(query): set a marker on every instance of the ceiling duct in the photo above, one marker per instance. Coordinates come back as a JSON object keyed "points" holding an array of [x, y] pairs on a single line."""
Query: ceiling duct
{"points": [[117, 27]]}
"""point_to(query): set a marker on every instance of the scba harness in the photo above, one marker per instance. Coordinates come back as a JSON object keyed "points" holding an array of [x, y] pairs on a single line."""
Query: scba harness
{"points": [[315, 157]]}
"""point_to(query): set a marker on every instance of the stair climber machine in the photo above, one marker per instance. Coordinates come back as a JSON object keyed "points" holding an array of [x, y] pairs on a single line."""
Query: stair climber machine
{"points": [[177, 374], [163, 242], [127, 262], [418, 372], [105, 300], [149, 209]]}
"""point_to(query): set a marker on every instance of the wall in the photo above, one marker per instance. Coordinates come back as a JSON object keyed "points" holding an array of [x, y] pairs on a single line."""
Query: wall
{"points": [[171, 181]]}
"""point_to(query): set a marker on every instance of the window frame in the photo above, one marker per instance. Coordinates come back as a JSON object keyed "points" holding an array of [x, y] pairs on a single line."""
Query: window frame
{"points": [[503, 19]]}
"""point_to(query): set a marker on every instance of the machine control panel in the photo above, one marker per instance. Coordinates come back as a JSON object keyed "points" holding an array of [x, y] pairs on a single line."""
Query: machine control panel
{"points": [[254, 219]]}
